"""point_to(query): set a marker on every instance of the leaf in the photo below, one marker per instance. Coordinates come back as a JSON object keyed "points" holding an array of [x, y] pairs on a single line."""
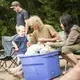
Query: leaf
{"points": [[4, 30]]}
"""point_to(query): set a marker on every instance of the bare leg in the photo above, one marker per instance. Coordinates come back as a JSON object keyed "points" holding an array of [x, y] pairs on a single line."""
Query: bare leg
{"points": [[14, 70], [70, 57], [67, 53], [73, 58], [74, 74]]}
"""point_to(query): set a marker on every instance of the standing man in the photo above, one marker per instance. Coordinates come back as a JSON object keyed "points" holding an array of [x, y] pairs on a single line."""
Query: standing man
{"points": [[21, 17]]}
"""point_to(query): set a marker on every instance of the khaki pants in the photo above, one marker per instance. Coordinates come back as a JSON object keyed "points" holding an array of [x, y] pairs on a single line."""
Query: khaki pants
{"points": [[71, 48]]}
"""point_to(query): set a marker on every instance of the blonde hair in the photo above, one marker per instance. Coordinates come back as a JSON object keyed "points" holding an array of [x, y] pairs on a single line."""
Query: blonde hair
{"points": [[20, 27], [35, 20]]}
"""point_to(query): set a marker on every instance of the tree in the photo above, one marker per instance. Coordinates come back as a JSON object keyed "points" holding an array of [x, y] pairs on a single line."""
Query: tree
{"points": [[48, 10]]}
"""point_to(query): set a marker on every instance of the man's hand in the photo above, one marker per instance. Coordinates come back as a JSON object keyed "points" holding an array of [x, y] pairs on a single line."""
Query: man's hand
{"points": [[26, 26], [42, 40]]}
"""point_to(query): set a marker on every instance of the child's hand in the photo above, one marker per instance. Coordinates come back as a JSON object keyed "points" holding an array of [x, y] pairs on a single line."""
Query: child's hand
{"points": [[28, 44], [16, 49]]}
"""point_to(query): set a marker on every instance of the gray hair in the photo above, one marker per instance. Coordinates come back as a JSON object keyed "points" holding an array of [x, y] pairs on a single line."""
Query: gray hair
{"points": [[35, 20]]}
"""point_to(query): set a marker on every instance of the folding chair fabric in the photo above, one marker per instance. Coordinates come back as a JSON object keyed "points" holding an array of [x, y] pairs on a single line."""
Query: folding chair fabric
{"points": [[7, 45]]}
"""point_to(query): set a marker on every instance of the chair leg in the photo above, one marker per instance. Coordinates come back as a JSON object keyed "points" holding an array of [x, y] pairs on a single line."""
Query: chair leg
{"points": [[5, 63], [66, 66], [13, 62], [2, 64]]}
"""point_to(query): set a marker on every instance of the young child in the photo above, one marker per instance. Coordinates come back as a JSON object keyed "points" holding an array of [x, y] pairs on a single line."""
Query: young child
{"points": [[20, 42]]}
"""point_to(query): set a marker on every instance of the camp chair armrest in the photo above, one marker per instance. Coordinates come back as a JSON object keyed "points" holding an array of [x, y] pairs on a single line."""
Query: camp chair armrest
{"points": [[12, 50]]}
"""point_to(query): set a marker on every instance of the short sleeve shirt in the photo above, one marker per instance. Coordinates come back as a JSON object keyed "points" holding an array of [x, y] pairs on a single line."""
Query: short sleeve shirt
{"points": [[47, 31], [21, 43], [21, 16]]}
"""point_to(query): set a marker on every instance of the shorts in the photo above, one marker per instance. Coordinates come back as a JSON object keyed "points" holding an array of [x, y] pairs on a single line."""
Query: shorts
{"points": [[70, 49]]}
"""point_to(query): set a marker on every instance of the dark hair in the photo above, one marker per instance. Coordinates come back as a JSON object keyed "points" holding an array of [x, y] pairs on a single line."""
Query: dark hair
{"points": [[67, 21]]}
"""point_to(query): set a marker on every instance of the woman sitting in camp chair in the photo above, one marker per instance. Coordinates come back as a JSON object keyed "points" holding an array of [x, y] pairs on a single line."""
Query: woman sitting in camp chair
{"points": [[72, 42]]}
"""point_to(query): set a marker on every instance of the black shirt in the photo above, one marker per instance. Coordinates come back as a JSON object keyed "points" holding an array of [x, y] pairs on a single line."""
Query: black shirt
{"points": [[21, 16]]}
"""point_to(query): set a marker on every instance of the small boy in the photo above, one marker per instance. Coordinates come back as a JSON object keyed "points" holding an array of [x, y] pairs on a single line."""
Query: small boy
{"points": [[20, 42]]}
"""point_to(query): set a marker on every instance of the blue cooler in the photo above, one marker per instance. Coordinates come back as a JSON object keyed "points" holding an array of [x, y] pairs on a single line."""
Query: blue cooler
{"points": [[41, 67]]}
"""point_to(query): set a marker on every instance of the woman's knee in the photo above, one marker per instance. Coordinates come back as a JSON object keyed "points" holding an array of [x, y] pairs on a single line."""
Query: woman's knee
{"points": [[78, 65], [65, 49]]}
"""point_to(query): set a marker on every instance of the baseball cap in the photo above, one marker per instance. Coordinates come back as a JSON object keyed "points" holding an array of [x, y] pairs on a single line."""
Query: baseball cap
{"points": [[14, 3]]}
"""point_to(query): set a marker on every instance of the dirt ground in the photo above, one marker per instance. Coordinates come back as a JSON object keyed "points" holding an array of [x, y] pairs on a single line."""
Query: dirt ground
{"points": [[4, 75]]}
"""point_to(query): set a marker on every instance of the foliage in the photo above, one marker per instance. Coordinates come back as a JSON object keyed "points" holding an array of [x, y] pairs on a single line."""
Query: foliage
{"points": [[51, 10], [6, 19], [48, 10]]}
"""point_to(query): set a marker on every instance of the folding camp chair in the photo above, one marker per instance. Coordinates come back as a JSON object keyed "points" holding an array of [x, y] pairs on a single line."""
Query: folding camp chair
{"points": [[8, 50]]}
